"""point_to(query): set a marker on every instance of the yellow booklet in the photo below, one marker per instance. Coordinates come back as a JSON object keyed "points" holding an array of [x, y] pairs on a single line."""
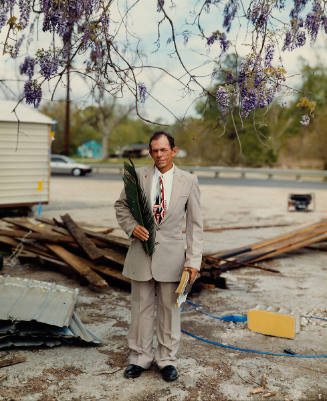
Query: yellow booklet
{"points": [[184, 287]]}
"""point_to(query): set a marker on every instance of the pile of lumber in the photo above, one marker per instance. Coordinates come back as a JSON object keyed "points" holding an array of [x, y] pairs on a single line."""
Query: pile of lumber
{"points": [[266, 249], [97, 257]]}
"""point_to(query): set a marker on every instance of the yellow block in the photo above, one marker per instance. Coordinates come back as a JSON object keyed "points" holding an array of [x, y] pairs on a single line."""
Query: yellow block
{"points": [[272, 324]]}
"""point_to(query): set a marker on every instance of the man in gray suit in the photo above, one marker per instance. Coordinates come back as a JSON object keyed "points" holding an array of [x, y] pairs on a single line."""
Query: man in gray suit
{"points": [[172, 194]]}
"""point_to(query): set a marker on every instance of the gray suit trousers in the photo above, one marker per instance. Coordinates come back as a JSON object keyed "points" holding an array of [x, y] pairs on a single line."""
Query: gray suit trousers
{"points": [[149, 297]]}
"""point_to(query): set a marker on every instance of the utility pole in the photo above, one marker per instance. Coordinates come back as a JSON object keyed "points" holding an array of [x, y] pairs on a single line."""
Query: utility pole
{"points": [[67, 114]]}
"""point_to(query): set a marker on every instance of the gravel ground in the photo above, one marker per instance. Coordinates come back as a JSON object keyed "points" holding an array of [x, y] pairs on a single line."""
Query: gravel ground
{"points": [[207, 372]]}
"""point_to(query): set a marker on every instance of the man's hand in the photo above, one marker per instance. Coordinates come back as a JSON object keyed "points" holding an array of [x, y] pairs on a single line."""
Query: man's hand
{"points": [[141, 233], [193, 272]]}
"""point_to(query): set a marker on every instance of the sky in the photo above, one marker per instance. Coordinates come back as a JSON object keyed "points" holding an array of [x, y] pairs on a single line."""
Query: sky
{"points": [[168, 99]]}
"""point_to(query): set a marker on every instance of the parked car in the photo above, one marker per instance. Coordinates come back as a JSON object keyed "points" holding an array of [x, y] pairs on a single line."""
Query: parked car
{"points": [[64, 165]]}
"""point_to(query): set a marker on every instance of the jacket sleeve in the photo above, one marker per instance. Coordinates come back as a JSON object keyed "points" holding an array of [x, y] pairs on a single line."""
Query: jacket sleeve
{"points": [[123, 215], [194, 228]]}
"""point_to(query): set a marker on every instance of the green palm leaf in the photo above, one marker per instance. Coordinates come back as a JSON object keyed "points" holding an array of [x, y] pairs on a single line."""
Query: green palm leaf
{"points": [[138, 205]]}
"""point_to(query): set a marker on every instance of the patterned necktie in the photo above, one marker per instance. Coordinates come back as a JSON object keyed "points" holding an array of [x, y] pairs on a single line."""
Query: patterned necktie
{"points": [[160, 206]]}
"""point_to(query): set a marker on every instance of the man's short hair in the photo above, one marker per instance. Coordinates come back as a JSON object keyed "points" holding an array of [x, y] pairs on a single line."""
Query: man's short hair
{"points": [[158, 134]]}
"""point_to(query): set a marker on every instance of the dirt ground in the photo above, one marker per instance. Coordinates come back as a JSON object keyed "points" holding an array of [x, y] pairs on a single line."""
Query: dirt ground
{"points": [[207, 371]]}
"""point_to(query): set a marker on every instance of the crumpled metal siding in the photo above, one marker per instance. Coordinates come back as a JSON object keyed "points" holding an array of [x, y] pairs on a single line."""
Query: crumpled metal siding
{"points": [[35, 313], [26, 334], [25, 300]]}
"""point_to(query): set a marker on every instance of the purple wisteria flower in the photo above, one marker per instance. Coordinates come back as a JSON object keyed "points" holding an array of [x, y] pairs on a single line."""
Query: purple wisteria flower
{"points": [[33, 92], [293, 40], [27, 67], [258, 13], [25, 10], [248, 101], [48, 65], [142, 92], [3, 19], [224, 44], [313, 20], [229, 77], [299, 5], [211, 39], [270, 50], [223, 98], [221, 37], [229, 14]]}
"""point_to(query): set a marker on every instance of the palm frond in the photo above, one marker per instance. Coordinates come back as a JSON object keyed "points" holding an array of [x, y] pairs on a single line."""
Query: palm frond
{"points": [[138, 205]]}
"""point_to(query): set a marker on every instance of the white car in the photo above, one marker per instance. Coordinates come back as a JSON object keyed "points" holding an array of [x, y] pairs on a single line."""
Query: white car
{"points": [[64, 165]]}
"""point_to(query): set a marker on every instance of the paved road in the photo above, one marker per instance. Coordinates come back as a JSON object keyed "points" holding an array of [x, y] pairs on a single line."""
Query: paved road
{"points": [[238, 182]]}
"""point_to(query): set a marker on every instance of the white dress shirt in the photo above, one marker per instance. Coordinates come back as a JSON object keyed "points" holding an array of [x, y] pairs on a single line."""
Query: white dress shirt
{"points": [[167, 180]]}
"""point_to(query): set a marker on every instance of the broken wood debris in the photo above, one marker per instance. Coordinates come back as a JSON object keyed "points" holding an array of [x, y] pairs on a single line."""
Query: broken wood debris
{"points": [[215, 229], [12, 361], [99, 257], [246, 256], [3, 377], [80, 237]]}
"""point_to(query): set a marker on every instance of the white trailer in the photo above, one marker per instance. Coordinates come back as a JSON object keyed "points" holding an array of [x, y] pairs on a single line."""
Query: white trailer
{"points": [[25, 141]]}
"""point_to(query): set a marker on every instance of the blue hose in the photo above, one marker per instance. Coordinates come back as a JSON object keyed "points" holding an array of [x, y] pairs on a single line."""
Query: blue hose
{"points": [[234, 318]]}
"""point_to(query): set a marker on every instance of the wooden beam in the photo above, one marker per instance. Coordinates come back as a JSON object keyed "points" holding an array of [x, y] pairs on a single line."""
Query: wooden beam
{"points": [[274, 240], [12, 361], [80, 265], [42, 236], [86, 244]]}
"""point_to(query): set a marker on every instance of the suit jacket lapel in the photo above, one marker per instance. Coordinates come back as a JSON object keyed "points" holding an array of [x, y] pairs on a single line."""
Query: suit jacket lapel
{"points": [[147, 183], [175, 192]]}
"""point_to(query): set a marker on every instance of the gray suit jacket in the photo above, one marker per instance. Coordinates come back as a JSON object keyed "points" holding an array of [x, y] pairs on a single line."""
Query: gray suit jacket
{"points": [[169, 258]]}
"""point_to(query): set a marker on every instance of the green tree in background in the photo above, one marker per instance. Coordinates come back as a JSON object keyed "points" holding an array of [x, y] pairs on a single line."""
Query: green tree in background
{"points": [[226, 138], [80, 131], [306, 141], [98, 123]]}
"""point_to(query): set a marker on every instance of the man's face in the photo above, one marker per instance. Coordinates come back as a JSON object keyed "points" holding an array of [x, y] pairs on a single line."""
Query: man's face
{"points": [[162, 154]]}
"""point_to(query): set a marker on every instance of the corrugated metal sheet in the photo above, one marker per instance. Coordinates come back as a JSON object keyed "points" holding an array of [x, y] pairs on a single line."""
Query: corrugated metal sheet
{"points": [[18, 334], [25, 113], [26, 300], [34, 313], [24, 162]]}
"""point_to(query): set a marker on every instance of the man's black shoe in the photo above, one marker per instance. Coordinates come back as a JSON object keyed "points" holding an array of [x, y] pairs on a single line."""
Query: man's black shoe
{"points": [[169, 373], [133, 371]]}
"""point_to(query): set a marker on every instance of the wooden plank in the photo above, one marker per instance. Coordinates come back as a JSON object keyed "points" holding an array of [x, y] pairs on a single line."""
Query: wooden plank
{"points": [[283, 246], [49, 236], [8, 241], [86, 244], [110, 239], [12, 361], [216, 229], [55, 222], [216, 263], [114, 256], [96, 242], [274, 240], [79, 264], [45, 233], [292, 247], [110, 272]]}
